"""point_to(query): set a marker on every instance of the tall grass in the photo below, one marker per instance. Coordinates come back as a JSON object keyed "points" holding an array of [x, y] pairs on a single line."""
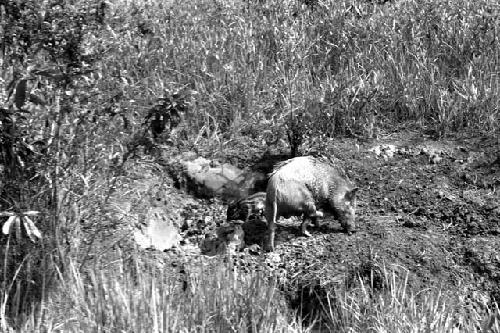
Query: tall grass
{"points": [[398, 307], [354, 65], [138, 294], [203, 296]]}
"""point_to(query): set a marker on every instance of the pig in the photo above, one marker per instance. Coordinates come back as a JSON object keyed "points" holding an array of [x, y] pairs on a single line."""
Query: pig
{"points": [[251, 206], [307, 186]]}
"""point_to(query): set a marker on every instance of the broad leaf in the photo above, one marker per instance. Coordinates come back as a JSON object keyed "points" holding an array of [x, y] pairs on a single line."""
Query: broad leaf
{"points": [[31, 230], [7, 225]]}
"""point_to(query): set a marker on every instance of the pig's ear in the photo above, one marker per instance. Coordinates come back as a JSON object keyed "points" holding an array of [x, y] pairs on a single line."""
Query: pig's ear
{"points": [[351, 195]]}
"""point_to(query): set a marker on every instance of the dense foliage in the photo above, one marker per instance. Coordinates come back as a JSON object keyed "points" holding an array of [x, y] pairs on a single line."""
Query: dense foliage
{"points": [[86, 84]]}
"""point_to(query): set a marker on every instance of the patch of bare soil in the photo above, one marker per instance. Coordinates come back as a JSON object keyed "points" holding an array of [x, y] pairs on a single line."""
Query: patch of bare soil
{"points": [[430, 210]]}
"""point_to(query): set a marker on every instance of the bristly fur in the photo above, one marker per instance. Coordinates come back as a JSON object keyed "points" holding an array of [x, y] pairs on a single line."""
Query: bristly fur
{"points": [[307, 186], [320, 159]]}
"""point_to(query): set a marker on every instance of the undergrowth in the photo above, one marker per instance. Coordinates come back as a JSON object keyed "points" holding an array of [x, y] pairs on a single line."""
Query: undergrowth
{"points": [[138, 293], [85, 85]]}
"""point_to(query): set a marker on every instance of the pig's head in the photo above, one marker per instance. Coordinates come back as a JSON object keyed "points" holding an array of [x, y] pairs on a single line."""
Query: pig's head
{"points": [[346, 210]]}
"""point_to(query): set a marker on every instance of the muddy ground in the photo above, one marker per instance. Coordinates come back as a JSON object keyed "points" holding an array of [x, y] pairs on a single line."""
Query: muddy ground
{"points": [[426, 209]]}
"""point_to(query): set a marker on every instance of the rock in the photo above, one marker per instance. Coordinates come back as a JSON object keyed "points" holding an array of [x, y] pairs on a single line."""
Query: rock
{"points": [[233, 235], [159, 232], [227, 237], [385, 151], [253, 181], [206, 179]]}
